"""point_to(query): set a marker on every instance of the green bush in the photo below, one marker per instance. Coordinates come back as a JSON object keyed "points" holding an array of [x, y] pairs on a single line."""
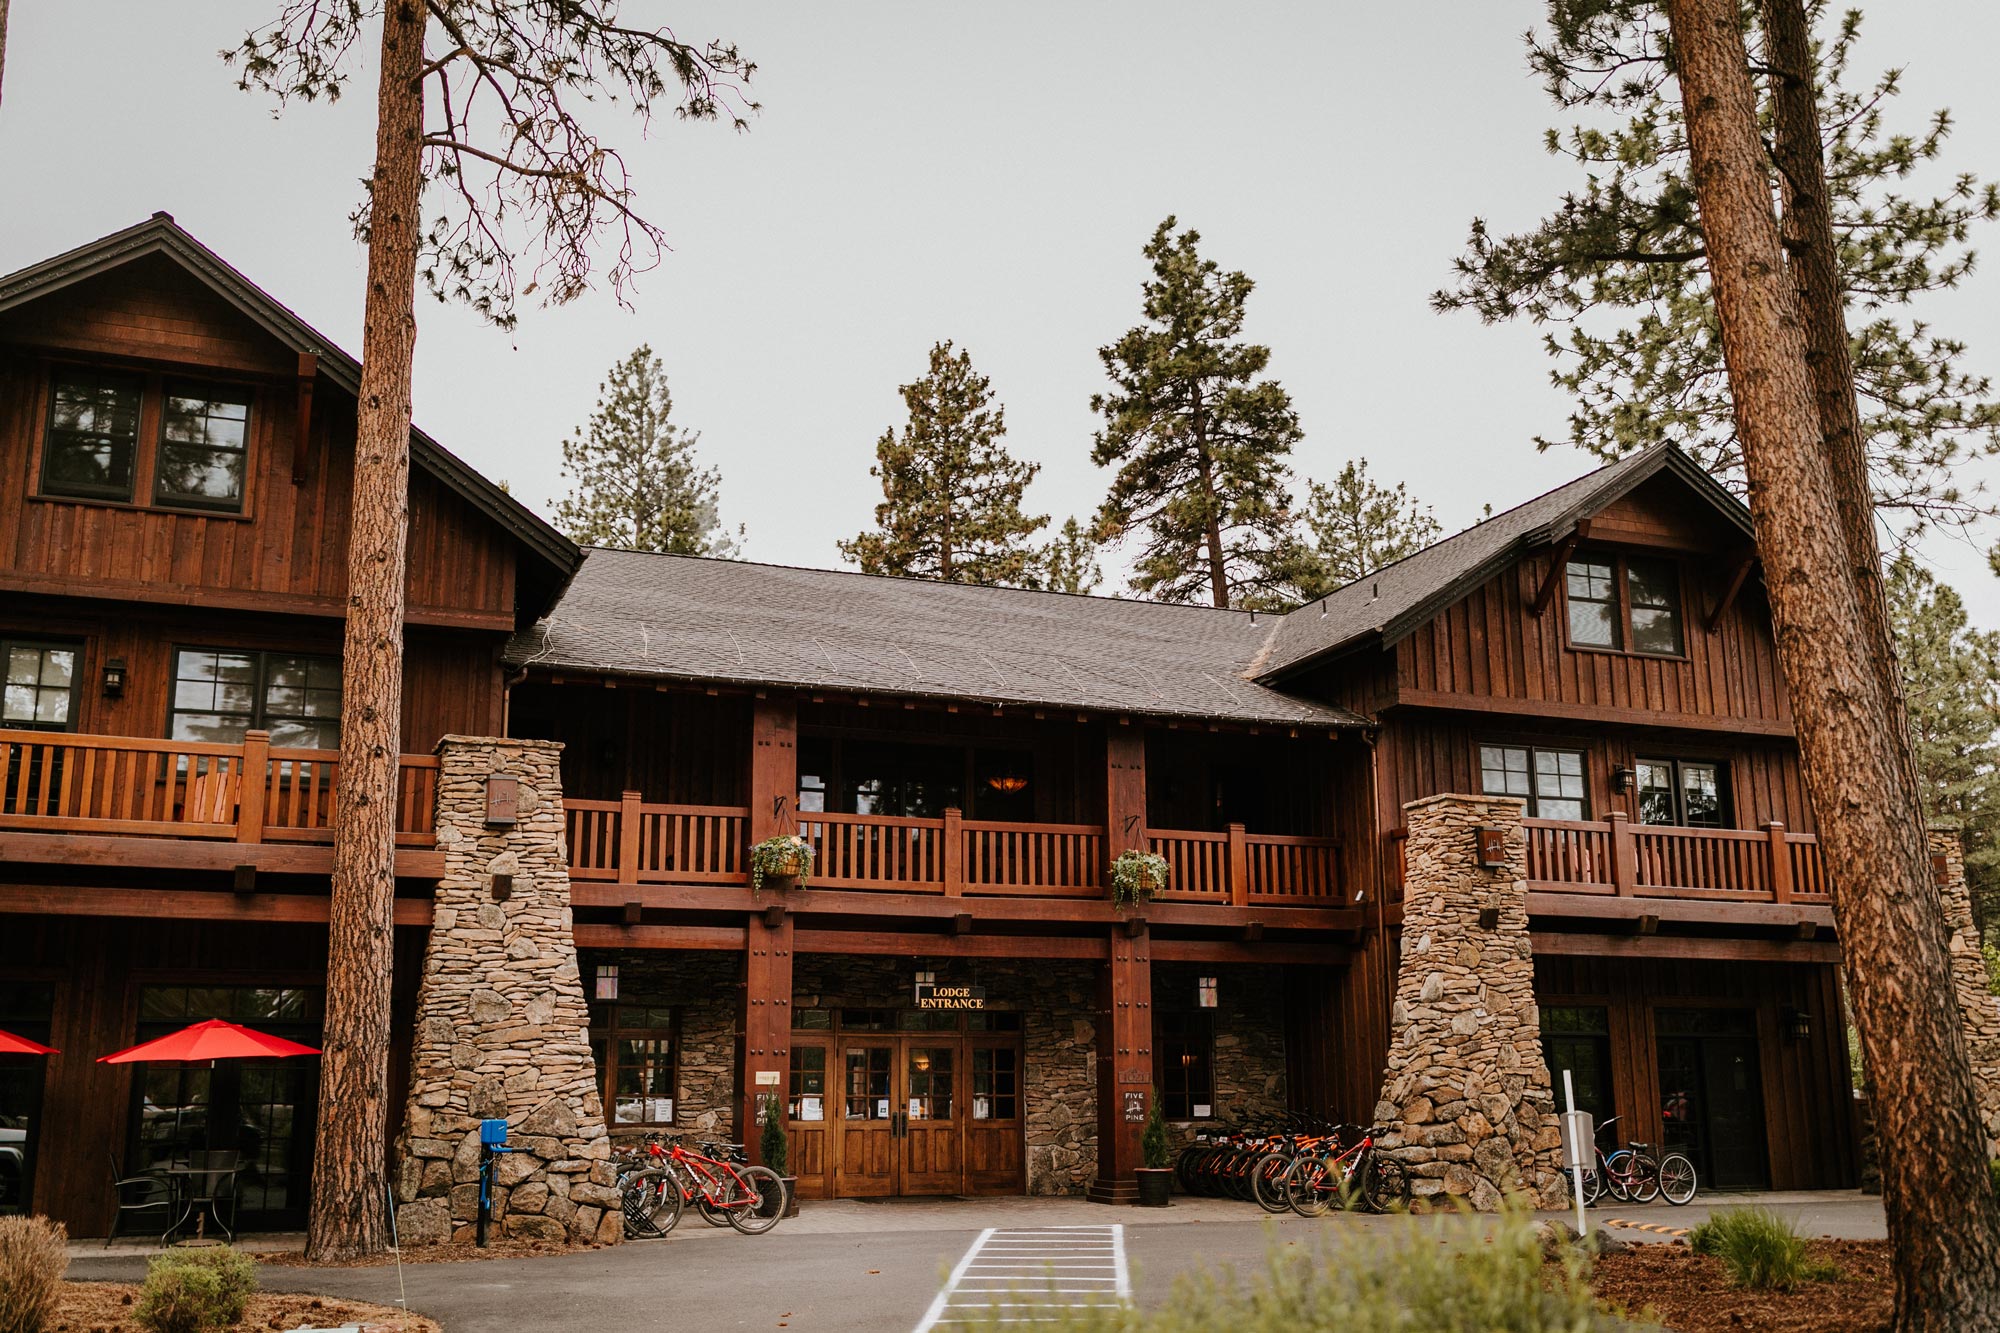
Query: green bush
{"points": [[1412, 1275], [195, 1291], [1153, 1143], [34, 1253], [1760, 1249], [777, 1148]]}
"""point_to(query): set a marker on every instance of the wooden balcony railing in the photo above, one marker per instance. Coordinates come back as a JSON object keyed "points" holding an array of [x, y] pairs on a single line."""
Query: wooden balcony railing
{"points": [[1614, 857], [632, 841], [65, 783]]}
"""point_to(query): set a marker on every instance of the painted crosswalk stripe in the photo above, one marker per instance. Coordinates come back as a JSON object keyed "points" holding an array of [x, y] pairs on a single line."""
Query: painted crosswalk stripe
{"points": [[1028, 1275]]}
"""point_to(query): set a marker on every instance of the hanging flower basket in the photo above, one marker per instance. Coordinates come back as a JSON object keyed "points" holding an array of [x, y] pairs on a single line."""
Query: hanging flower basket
{"points": [[786, 856], [1137, 876]]}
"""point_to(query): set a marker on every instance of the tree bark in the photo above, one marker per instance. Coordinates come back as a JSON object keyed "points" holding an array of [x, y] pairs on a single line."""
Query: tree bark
{"points": [[3, 42], [1944, 1217], [349, 1198], [1218, 567]]}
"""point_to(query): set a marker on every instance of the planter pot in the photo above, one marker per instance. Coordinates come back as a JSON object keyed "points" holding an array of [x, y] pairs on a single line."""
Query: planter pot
{"points": [[791, 1196], [1155, 1186]]}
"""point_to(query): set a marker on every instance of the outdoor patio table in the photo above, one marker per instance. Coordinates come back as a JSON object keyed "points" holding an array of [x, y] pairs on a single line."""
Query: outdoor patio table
{"points": [[180, 1178]]}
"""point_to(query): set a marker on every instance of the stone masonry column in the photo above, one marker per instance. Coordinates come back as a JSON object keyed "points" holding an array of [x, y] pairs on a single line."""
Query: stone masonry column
{"points": [[1976, 1001], [502, 1031], [1466, 1096]]}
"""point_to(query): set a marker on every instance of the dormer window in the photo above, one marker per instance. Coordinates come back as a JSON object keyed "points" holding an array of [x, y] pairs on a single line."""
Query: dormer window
{"points": [[1628, 603], [117, 438]]}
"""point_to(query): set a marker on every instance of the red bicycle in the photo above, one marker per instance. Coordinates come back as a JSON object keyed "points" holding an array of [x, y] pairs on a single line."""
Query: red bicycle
{"points": [[749, 1198]]}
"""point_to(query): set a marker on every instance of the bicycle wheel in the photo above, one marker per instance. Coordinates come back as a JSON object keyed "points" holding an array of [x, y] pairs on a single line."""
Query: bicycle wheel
{"points": [[1617, 1173], [651, 1204], [1308, 1189], [1267, 1182], [757, 1199], [1677, 1178], [1593, 1185], [1386, 1187], [1645, 1178]]}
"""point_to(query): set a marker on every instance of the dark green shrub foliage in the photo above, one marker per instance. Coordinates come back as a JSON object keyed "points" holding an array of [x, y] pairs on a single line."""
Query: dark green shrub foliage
{"points": [[33, 1256], [776, 1147], [1760, 1249], [1153, 1142], [195, 1291]]}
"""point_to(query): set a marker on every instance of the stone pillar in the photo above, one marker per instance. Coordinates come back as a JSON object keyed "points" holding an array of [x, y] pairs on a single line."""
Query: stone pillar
{"points": [[1976, 1001], [502, 1030], [1466, 1096]]}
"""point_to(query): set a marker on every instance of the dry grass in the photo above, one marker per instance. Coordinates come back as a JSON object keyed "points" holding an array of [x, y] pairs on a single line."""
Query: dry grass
{"points": [[108, 1307]]}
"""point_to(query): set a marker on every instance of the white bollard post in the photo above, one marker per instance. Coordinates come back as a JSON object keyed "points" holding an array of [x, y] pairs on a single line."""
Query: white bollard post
{"points": [[1574, 1122]]}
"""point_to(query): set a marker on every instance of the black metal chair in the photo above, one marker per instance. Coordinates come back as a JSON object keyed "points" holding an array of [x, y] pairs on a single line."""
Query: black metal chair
{"points": [[136, 1194]]}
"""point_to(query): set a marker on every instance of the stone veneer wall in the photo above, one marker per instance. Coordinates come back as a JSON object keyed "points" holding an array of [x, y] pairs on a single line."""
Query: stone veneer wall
{"points": [[1058, 1042], [1976, 1001], [706, 987], [501, 1027], [1466, 1095], [1250, 1087]]}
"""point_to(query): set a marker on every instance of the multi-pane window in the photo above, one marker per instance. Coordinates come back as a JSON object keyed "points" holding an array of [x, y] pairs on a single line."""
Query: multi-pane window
{"points": [[1184, 1055], [204, 437], [1625, 602], [868, 1074], [636, 1057], [996, 1083], [1550, 781], [221, 693], [39, 692], [93, 438], [1680, 791], [807, 1099], [1577, 1039]]}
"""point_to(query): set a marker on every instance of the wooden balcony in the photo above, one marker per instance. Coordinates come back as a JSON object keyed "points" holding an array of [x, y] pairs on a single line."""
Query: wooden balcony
{"points": [[1615, 858], [631, 841], [252, 793]]}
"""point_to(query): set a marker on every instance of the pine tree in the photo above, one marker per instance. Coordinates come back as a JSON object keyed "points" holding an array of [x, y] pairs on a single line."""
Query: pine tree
{"points": [[1951, 683], [1354, 527], [636, 484], [951, 494], [1619, 271], [1201, 441], [1069, 562]]}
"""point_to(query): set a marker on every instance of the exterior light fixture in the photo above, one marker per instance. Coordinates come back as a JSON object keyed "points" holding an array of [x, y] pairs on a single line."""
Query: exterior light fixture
{"points": [[1798, 1024], [1204, 992], [607, 981], [114, 677], [1007, 784], [1625, 779]]}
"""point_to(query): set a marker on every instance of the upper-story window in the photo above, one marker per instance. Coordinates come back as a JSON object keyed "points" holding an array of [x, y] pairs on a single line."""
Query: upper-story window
{"points": [[1549, 781], [1680, 791], [119, 437], [221, 693], [39, 690], [1625, 602]]}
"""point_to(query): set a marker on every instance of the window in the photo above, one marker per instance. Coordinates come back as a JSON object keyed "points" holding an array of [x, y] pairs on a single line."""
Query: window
{"points": [[1680, 791], [807, 1099], [221, 693], [1625, 602], [847, 775], [1185, 1057], [39, 685], [996, 1083], [635, 1053], [93, 438], [1577, 1038], [1550, 781], [204, 437]]}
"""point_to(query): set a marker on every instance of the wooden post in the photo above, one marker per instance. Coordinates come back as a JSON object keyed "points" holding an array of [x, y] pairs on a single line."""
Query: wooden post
{"points": [[253, 779], [1239, 867], [1125, 1083], [953, 859], [1780, 852], [1624, 854], [1124, 794], [629, 823], [774, 768], [767, 1023]]}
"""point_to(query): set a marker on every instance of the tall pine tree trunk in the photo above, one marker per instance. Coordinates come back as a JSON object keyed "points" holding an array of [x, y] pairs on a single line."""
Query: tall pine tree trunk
{"points": [[1944, 1218], [349, 1201]]}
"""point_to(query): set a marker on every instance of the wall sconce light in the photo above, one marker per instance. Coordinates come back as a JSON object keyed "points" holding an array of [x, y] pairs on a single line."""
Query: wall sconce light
{"points": [[607, 981], [1204, 992], [1798, 1024], [503, 887], [1490, 843], [1625, 779], [114, 677]]}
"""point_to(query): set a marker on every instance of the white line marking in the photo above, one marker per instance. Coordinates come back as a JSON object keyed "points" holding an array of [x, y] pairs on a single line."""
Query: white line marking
{"points": [[930, 1319], [1009, 1263]]}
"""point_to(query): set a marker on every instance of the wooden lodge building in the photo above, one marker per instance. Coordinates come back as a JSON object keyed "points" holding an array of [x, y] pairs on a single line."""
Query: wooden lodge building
{"points": [[175, 449]]}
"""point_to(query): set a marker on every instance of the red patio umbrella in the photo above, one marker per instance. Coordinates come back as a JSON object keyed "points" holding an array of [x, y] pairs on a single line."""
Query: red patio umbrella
{"points": [[13, 1045], [212, 1040]]}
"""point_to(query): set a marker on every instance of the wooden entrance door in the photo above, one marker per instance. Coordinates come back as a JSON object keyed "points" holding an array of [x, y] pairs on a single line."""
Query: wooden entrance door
{"points": [[992, 1102], [868, 1120], [930, 1138]]}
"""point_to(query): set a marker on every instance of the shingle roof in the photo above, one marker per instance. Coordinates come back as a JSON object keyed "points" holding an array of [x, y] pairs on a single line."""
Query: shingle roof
{"points": [[633, 613], [1397, 598]]}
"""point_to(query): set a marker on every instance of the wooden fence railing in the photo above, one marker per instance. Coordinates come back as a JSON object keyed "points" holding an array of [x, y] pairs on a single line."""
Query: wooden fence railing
{"points": [[634, 842], [1244, 869], [67, 783], [1615, 857]]}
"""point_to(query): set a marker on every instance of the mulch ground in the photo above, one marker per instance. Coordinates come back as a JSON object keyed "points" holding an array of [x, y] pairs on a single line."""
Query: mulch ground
{"points": [[1691, 1293], [434, 1254], [106, 1307]]}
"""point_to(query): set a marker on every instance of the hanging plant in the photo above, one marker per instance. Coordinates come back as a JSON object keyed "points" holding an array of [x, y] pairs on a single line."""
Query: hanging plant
{"points": [[1137, 876], [788, 856]]}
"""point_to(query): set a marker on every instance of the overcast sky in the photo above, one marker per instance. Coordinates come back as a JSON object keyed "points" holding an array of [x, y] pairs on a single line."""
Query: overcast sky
{"points": [[925, 171]]}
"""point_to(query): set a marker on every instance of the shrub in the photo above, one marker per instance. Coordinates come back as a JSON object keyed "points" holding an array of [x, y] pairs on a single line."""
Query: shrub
{"points": [[1153, 1143], [195, 1291], [776, 1147], [1760, 1249], [34, 1253]]}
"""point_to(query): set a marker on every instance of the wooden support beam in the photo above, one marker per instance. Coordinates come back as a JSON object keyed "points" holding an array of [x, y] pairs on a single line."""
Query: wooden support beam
{"points": [[1125, 1082], [634, 912], [1595, 713], [183, 904], [302, 418], [1549, 942], [116, 851], [246, 879], [1235, 951], [1546, 905], [1558, 564], [592, 936], [766, 1020], [1737, 577], [912, 944]]}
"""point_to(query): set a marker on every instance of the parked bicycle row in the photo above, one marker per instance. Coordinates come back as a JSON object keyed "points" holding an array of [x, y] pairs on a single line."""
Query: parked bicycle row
{"points": [[662, 1179]]}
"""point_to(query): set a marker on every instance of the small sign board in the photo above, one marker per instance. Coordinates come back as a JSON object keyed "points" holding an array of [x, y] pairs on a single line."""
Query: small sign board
{"points": [[503, 800], [1135, 1107], [768, 1078], [930, 995]]}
